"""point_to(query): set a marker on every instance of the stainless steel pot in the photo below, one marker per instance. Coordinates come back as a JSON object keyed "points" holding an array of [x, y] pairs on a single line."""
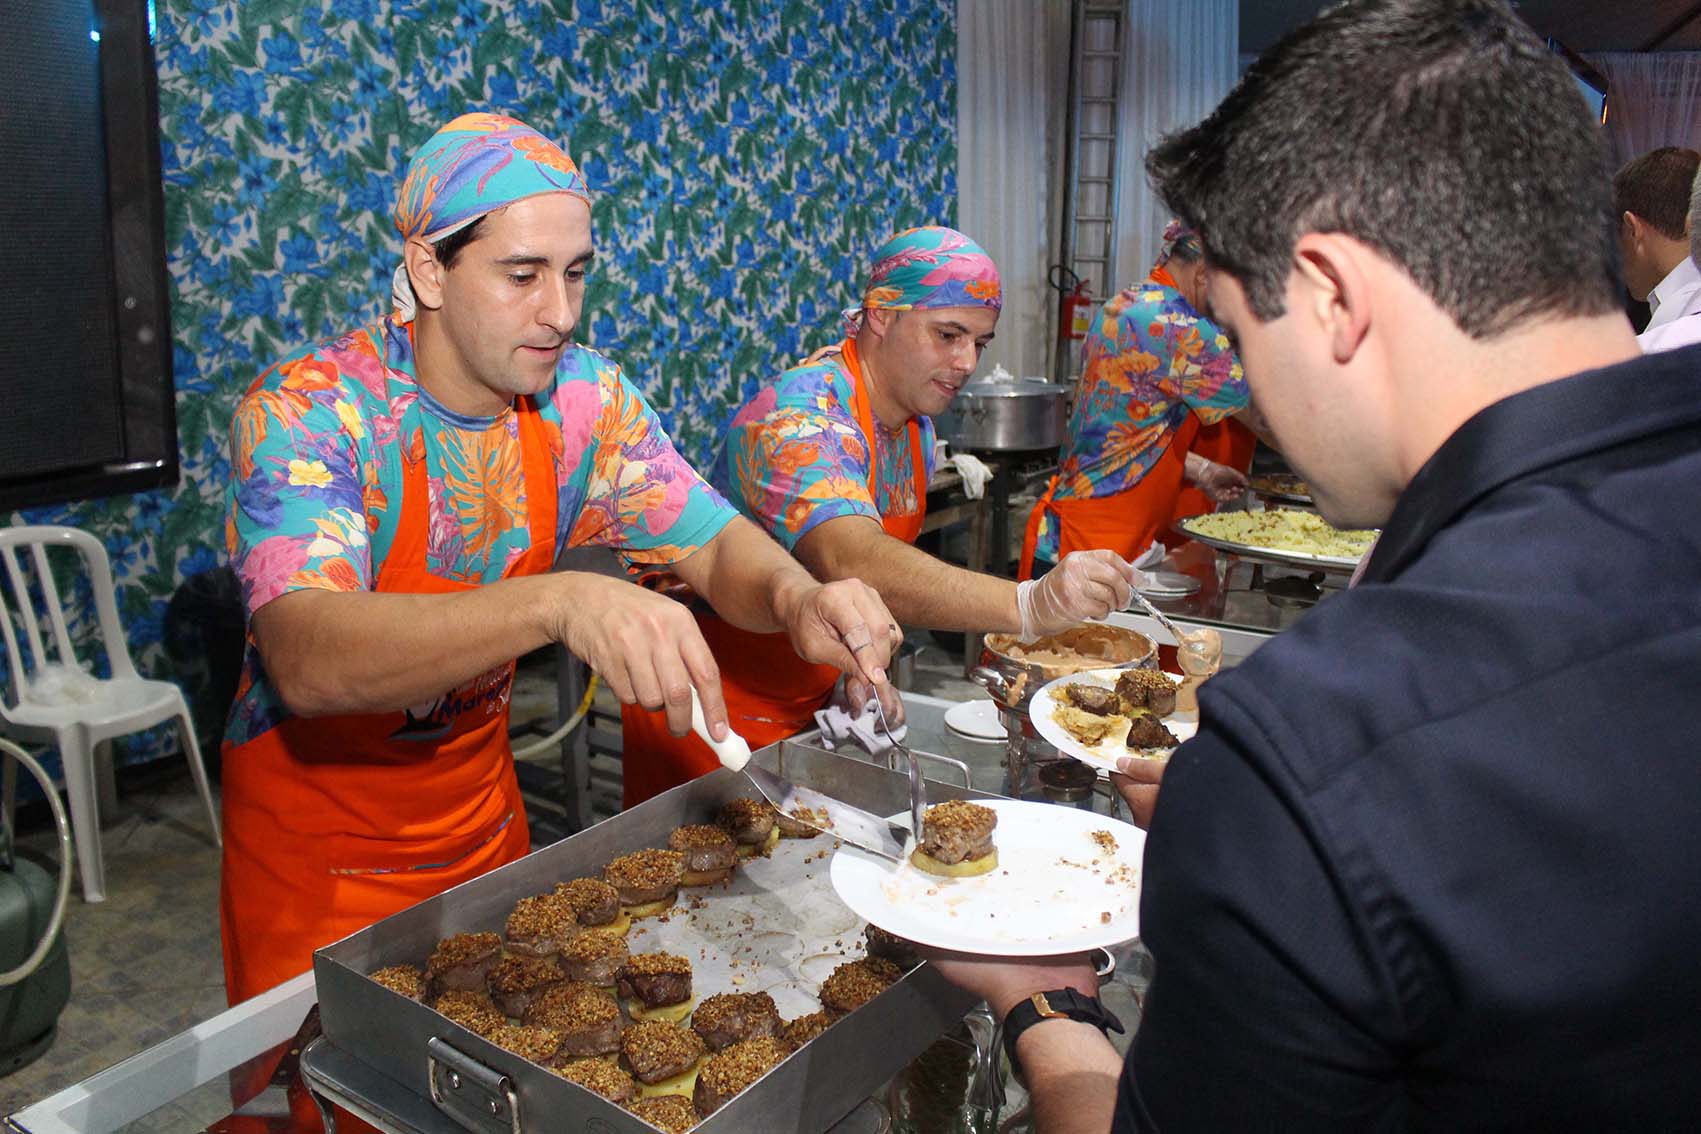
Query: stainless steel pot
{"points": [[1025, 414]]}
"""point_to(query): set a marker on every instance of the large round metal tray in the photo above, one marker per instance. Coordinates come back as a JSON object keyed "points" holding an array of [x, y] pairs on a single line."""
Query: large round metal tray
{"points": [[1334, 564]]}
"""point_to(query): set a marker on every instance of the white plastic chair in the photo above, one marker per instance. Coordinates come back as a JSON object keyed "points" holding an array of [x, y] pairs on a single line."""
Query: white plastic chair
{"points": [[85, 712]]}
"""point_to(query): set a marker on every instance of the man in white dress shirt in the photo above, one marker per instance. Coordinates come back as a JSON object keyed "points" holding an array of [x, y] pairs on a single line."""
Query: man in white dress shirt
{"points": [[1650, 195], [1684, 329]]}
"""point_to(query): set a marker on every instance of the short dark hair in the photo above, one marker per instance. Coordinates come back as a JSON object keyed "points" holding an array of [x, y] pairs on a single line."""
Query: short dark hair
{"points": [[448, 249], [1656, 188], [1442, 133]]}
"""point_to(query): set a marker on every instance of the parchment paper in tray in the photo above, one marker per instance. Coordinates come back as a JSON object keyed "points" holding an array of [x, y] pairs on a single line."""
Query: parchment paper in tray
{"points": [[778, 928]]}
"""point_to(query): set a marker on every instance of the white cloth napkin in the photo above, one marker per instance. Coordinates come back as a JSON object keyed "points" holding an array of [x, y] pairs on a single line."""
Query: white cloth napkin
{"points": [[839, 724], [1150, 557], [974, 471]]}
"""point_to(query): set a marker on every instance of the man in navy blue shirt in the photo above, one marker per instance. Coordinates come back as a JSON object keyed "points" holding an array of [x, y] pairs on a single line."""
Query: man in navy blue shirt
{"points": [[1431, 862]]}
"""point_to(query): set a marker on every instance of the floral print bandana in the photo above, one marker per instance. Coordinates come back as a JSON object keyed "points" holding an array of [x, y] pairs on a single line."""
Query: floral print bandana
{"points": [[473, 166], [1179, 238], [926, 267]]}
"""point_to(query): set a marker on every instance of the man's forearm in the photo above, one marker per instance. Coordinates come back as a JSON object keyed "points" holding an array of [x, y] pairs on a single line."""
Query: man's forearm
{"points": [[747, 577], [920, 589], [1071, 1072], [365, 652]]}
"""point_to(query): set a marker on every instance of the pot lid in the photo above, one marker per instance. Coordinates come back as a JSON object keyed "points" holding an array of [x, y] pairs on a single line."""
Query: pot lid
{"points": [[1012, 388]]}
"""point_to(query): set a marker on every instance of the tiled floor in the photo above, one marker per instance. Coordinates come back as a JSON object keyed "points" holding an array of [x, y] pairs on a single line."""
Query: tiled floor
{"points": [[146, 963]]}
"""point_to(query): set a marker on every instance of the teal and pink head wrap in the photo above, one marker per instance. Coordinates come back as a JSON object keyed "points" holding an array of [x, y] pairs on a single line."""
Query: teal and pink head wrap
{"points": [[928, 267], [473, 166]]}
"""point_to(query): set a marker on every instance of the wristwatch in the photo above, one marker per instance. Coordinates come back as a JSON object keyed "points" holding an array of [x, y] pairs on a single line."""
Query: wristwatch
{"points": [[1057, 1004]]}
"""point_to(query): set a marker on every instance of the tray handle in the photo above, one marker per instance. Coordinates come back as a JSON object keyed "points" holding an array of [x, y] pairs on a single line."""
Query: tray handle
{"points": [[477, 1097]]}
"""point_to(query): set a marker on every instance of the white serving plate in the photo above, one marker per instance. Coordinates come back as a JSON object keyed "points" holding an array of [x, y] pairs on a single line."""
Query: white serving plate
{"points": [[976, 720], [1106, 752], [1055, 890]]}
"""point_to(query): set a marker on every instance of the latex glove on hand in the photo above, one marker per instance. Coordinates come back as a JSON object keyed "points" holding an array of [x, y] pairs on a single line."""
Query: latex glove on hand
{"points": [[1218, 481], [1085, 585]]}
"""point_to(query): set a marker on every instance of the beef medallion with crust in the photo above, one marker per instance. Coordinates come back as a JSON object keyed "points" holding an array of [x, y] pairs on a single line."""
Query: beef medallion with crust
{"points": [[595, 903], [460, 963], [752, 824], [660, 1054], [730, 1070], [673, 1114], [587, 1019], [710, 854], [540, 925], [655, 986], [606, 1078], [594, 958], [855, 983], [956, 839], [647, 880], [732, 1017], [514, 981]]}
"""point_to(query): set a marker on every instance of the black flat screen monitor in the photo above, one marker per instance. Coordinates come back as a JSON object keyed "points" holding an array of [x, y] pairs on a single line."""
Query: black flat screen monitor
{"points": [[85, 327], [1591, 84]]}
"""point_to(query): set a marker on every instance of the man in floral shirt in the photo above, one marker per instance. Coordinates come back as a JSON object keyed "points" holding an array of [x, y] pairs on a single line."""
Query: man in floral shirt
{"points": [[833, 457], [1156, 369], [400, 495]]}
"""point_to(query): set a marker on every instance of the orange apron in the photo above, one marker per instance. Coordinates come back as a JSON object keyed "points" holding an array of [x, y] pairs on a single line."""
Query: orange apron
{"points": [[771, 693], [1228, 443], [1125, 522], [332, 823]]}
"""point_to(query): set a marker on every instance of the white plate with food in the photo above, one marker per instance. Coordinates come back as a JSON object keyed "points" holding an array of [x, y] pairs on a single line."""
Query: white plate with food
{"points": [[975, 720], [1069, 727], [1066, 880]]}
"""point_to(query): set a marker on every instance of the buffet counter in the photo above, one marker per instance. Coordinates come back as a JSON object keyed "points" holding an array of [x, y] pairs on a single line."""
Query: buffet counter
{"points": [[183, 1083]]}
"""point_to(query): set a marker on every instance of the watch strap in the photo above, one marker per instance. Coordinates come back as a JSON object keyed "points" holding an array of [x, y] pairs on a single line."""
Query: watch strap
{"points": [[1055, 1004]]}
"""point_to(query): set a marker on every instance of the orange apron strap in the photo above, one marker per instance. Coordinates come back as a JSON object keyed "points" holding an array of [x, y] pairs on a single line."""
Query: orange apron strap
{"points": [[1030, 534]]}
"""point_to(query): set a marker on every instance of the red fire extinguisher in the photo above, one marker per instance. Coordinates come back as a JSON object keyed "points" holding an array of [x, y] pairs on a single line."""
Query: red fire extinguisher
{"points": [[1075, 309]]}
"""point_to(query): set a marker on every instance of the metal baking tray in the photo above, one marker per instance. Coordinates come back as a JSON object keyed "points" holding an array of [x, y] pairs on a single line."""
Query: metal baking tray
{"points": [[777, 928]]}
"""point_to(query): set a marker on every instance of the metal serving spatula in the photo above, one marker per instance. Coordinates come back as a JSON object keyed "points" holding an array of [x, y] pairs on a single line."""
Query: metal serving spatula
{"points": [[852, 824]]}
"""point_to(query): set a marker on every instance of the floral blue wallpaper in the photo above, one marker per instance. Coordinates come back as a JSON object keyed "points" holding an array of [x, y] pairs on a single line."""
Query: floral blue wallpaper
{"points": [[746, 155]]}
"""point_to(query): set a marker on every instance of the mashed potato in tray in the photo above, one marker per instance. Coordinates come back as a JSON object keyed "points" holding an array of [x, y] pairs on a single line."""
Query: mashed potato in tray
{"points": [[1283, 529]]}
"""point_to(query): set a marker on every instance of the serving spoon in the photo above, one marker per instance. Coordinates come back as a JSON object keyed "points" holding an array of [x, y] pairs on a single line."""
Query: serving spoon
{"points": [[1202, 647]]}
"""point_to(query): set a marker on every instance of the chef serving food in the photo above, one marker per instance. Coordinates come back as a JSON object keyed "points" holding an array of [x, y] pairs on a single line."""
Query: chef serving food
{"points": [[1155, 371], [399, 496], [833, 457]]}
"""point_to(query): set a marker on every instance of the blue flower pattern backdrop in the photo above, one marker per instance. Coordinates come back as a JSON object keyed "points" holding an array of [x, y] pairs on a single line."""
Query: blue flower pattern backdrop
{"points": [[746, 157]]}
